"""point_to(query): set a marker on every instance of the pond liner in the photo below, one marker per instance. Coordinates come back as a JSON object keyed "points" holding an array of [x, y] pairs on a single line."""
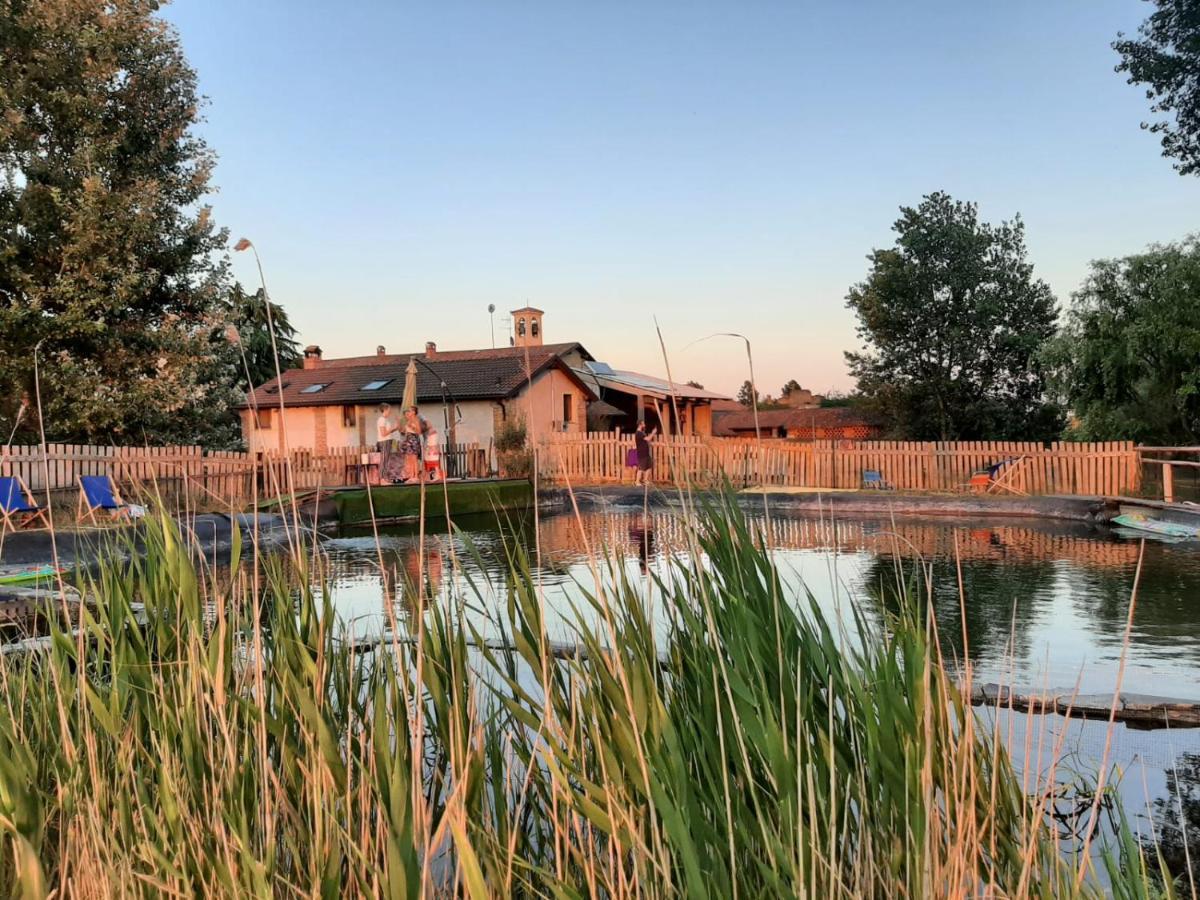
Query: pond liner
{"points": [[1093, 510]]}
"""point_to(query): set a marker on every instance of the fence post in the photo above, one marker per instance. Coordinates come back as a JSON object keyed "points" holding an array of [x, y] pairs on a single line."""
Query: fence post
{"points": [[1168, 483]]}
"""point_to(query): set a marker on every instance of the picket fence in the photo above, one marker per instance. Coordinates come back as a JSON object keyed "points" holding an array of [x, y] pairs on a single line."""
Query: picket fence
{"points": [[195, 476], [1108, 468]]}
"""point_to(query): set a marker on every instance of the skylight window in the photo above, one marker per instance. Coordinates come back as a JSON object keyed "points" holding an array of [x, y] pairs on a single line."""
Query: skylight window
{"points": [[316, 388], [275, 389], [376, 385]]}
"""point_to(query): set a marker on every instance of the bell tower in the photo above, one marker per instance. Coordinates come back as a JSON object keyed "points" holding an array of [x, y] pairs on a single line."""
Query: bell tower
{"points": [[527, 327]]}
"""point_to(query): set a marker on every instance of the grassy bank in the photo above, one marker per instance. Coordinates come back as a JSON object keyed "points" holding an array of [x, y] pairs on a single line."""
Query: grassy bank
{"points": [[238, 747]]}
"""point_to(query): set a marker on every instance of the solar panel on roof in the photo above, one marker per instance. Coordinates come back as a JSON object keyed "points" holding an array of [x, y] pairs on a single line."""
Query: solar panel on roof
{"points": [[599, 368]]}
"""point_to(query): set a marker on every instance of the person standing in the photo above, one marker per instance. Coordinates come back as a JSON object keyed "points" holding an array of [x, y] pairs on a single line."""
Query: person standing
{"points": [[384, 429], [433, 455], [645, 456], [410, 444]]}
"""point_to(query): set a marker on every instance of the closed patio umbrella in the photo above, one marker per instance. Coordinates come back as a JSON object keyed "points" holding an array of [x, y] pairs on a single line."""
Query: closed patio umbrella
{"points": [[410, 385]]}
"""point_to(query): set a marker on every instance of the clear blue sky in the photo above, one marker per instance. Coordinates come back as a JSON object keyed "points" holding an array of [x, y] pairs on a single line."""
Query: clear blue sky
{"points": [[724, 166]]}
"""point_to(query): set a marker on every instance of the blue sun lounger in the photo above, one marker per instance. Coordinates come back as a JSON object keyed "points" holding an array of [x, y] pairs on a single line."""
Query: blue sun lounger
{"points": [[98, 494], [17, 505], [873, 480]]}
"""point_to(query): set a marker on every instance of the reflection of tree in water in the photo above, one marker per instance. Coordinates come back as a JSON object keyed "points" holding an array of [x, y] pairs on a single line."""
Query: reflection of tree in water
{"points": [[998, 601], [1165, 614], [1173, 829]]}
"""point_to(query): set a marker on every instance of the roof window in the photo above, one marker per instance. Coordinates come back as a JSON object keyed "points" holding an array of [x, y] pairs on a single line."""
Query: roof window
{"points": [[376, 385], [316, 388]]}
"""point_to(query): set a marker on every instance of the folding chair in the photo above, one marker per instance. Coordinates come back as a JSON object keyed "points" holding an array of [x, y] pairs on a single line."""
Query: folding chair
{"points": [[17, 503], [98, 493], [873, 480]]}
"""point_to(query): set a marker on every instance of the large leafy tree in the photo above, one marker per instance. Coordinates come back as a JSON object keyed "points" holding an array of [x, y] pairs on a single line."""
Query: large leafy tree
{"points": [[110, 265], [1165, 59], [1128, 360], [953, 319], [254, 326], [747, 395]]}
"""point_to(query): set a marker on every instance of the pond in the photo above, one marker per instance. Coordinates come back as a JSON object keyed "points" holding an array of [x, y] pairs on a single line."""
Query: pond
{"points": [[1045, 603], [1045, 607]]}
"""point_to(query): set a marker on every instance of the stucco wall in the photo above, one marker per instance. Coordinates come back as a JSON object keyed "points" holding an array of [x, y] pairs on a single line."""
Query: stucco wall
{"points": [[541, 404]]}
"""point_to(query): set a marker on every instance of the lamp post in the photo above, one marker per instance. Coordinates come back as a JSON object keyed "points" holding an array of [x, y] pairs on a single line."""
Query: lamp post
{"points": [[242, 245], [492, 322]]}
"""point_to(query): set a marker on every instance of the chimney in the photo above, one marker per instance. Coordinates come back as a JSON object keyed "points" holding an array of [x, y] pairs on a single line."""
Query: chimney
{"points": [[430, 349], [312, 356], [381, 350], [527, 327]]}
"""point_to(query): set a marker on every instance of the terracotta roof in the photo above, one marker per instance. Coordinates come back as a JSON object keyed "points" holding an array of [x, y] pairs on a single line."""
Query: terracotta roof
{"points": [[469, 375], [818, 417]]}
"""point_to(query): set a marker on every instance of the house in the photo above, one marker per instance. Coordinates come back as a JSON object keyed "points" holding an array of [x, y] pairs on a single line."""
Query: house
{"points": [[627, 398], [466, 394], [839, 423]]}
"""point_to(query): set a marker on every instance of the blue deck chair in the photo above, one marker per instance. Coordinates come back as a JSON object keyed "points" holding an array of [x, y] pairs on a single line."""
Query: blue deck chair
{"points": [[98, 494], [17, 505], [873, 480]]}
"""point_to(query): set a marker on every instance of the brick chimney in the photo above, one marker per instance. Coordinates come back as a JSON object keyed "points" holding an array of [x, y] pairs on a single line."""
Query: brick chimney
{"points": [[312, 357], [381, 350], [527, 327], [430, 349]]}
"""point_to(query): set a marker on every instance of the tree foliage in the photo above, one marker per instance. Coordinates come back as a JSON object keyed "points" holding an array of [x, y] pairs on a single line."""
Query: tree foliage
{"points": [[254, 326], [790, 387], [1165, 59], [1128, 360], [746, 394], [109, 262], [953, 319]]}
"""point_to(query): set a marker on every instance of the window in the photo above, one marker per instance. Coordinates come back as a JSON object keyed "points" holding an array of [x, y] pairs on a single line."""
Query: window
{"points": [[521, 327], [276, 388], [349, 417], [568, 406], [262, 418], [533, 327], [376, 385], [315, 388]]}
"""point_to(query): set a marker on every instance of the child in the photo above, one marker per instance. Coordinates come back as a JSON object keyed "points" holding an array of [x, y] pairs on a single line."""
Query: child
{"points": [[433, 455]]}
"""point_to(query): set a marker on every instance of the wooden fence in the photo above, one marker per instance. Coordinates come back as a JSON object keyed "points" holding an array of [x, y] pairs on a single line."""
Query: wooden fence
{"points": [[194, 476], [1111, 468]]}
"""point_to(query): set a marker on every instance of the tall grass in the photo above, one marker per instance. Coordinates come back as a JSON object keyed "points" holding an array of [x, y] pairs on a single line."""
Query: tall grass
{"points": [[710, 736]]}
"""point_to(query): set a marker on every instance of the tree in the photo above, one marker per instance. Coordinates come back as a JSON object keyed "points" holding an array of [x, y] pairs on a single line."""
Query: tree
{"points": [[109, 263], [252, 326], [1165, 58], [695, 384], [953, 321], [1128, 360], [791, 386], [747, 395]]}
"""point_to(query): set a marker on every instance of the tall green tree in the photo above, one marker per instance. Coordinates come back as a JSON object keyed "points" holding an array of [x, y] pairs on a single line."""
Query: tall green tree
{"points": [[952, 320], [1128, 360], [254, 326], [1164, 58], [747, 395], [110, 264]]}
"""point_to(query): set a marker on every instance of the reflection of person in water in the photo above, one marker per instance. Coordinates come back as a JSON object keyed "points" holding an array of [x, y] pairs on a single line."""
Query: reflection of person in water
{"points": [[641, 534], [422, 574]]}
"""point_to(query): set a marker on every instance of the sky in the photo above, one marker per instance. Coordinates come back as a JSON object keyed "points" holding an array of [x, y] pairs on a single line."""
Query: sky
{"points": [[712, 167]]}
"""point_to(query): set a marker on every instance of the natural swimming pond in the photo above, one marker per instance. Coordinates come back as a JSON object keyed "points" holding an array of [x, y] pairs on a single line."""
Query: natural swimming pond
{"points": [[1045, 603]]}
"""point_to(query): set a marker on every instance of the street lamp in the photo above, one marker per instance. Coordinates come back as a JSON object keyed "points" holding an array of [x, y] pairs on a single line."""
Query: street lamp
{"points": [[492, 322]]}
